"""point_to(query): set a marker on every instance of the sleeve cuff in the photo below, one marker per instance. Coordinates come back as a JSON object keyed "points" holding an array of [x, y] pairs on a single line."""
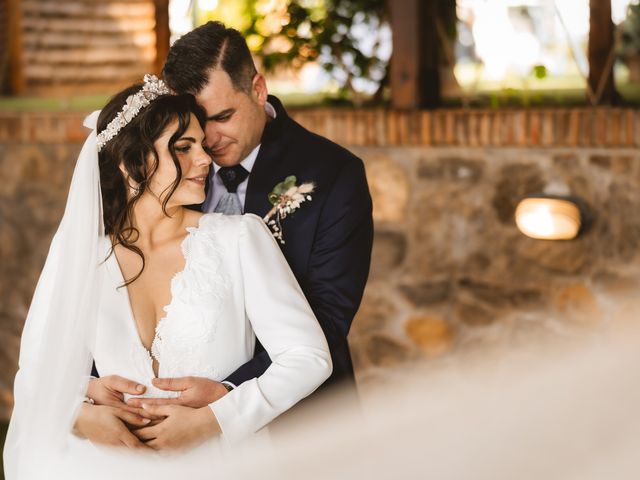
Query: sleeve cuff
{"points": [[225, 382]]}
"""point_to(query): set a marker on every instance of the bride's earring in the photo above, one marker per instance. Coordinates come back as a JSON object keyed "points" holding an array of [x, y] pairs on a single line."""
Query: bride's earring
{"points": [[135, 189]]}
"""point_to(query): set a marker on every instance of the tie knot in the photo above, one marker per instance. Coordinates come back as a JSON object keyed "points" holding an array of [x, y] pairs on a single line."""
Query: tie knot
{"points": [[232, 177]]}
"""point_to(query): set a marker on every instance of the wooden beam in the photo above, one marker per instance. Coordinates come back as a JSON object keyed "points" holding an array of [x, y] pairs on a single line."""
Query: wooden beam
{"points": [[601, 52], [163, 33], [415, 63], [429, 76], [14, 35], [406, 49]]}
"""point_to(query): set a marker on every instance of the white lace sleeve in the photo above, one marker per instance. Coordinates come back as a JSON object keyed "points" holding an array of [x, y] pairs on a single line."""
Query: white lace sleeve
{"points": [[287, 328]]}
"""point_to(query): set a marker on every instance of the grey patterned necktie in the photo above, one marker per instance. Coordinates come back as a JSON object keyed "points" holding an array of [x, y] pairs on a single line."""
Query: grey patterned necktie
{"points": [[231, 177]]}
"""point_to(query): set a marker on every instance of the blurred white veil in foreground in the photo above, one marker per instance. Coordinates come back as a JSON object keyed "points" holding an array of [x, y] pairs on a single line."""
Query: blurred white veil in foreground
{"points": [[564, 413], [55, 358]]}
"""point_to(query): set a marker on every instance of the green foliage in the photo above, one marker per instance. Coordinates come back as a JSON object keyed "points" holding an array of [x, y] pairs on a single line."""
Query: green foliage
{"points": [[631, 31], [327, 32], [539, 71], [346, 37]]}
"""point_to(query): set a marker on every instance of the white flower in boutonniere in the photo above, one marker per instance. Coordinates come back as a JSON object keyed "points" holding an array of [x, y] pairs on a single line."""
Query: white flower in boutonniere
{"points": [[286, 198]]}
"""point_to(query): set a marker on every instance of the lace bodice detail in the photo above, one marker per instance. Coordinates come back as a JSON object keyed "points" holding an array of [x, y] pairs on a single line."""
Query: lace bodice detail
{"points": [[197, 293]]}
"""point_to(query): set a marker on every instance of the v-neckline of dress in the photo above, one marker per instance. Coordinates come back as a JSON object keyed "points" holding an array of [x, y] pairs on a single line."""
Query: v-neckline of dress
{"points": [[133, 324]]}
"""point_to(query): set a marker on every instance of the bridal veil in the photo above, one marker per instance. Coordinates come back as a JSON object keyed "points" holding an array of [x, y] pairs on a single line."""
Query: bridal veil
{"points": [[55, 358]]}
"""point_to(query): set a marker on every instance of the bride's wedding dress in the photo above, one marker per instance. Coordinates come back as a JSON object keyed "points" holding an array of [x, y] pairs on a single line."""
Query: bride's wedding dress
{"points": [[235, 282], [235, 285]]}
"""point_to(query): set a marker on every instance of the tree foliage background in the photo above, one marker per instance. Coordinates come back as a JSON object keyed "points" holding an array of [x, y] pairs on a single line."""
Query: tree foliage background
{"points": [[346, 37]]}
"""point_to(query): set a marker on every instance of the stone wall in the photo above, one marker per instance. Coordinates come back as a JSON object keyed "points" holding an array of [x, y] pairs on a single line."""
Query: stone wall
{"points": [[451, 275]]}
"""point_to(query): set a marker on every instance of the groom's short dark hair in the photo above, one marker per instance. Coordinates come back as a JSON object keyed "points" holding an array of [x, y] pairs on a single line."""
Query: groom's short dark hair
{"points": [[208, 47]]}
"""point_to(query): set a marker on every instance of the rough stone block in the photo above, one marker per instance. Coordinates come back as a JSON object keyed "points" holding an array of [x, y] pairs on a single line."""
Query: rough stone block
{"points": [[389, 251], [386, 351], [389, 186], [431, 334]]}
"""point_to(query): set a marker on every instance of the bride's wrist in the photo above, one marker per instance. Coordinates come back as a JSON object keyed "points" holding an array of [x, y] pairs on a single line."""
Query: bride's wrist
{"points": [[208, 421], [77, 429]]}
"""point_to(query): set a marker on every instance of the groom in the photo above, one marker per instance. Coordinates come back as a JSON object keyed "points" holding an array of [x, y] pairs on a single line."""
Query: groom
{"points": [[255, 145]]}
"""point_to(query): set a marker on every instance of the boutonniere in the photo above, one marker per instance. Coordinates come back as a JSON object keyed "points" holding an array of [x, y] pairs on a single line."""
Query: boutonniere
{"points": [[286, 197]]}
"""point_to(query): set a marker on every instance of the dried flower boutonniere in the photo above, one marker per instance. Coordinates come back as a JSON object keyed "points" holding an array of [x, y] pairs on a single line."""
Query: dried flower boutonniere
{"points": [[286, 198]]}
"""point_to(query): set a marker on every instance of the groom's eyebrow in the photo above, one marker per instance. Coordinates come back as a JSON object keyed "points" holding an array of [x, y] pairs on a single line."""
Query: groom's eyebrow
{"points": [[221, 115]]}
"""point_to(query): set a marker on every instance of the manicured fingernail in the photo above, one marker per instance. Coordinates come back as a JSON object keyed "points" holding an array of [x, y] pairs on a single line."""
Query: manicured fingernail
{"points": [[140, 388], [144, 405]]}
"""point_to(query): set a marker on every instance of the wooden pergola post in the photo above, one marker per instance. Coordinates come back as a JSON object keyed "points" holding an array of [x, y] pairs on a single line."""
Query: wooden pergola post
{"points": [[601, 52], [405, 66], [163, 33], [14, 35], [415, 75]]}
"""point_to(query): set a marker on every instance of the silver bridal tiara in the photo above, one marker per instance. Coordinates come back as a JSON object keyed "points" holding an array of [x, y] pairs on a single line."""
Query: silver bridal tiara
{"points": [[153, 87]]}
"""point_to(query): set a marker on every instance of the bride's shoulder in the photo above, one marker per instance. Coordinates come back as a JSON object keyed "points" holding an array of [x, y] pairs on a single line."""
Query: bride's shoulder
{"points": [[213, 220], [230, 226], [219, 225]]}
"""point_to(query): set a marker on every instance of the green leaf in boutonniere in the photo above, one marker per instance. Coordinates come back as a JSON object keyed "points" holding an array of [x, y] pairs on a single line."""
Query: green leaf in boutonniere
{"points": [[281, 188], [286, 197]]}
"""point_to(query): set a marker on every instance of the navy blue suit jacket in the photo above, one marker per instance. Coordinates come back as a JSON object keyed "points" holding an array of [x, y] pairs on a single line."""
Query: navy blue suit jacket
{"points": [[327, 240]]}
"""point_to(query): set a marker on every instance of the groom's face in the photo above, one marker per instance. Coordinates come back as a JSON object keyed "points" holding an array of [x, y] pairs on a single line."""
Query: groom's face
{"points": [[235, 118]]}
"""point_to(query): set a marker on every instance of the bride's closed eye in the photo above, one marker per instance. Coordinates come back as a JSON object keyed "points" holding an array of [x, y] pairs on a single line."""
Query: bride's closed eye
{"points": [[186, 147], [183, 148]]}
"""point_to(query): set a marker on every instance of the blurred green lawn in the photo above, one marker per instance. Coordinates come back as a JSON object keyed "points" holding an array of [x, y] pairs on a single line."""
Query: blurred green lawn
{"points": [[488, 96], [92, 102]]}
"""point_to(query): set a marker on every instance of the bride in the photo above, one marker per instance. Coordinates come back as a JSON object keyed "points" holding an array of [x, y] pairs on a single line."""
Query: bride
{"points": [[148, 288]]}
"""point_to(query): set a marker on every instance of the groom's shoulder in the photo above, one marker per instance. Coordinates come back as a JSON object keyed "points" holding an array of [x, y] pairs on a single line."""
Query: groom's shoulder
{"points": [[320, 150]]}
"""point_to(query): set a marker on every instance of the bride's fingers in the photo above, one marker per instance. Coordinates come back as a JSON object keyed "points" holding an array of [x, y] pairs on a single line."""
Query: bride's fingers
{"points": [[154, 444], [158, 410], [123, 406], [152, 423], [147, 433], [132, 419], [131, 441]]}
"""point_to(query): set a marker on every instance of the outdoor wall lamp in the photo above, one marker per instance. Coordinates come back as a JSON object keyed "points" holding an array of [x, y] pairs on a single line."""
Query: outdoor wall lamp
{"points": [[552, 217]]}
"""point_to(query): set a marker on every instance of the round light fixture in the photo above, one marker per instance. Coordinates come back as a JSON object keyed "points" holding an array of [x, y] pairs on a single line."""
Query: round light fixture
{"points": [[551, 218]]}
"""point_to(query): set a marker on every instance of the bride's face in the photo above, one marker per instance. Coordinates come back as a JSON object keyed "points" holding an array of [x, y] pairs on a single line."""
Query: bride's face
{"points": [[194, 162]]}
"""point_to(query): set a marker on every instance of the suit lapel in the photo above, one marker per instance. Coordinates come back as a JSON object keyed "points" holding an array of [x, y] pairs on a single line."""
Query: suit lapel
{"points": [[266, 173]]}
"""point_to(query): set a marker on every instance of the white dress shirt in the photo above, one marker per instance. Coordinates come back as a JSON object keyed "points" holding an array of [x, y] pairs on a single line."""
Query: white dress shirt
{"points": [[217, 188]]}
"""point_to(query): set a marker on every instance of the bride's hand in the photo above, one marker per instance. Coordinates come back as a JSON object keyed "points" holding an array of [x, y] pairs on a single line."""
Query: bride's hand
{"points": [[182, 427], [105, 425], [110, 391]]}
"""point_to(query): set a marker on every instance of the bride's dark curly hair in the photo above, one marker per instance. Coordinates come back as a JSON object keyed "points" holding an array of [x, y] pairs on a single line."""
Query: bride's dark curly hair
{"points": [[131, 148]]}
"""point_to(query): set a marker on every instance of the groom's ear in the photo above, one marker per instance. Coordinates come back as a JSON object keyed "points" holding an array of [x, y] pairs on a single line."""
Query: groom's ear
{"points": [[259, 89]]}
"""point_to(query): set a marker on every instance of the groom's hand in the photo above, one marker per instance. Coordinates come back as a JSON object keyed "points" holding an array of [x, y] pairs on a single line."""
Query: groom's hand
{"points": [[195, 392], [110, 391], [105, 425]]}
